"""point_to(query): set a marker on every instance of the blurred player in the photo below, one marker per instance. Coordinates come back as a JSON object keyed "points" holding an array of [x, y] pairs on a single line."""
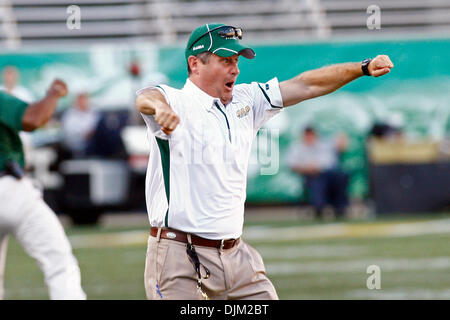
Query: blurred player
{"points": [[11, 85], [23, 213], [200, 139]]}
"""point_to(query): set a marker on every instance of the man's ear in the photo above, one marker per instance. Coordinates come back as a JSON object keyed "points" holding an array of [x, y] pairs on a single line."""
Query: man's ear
{"points": [[193, 62]]}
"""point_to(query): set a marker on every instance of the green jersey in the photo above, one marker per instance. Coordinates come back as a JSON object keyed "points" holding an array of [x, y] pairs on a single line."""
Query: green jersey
{"points": [[11, 113]]}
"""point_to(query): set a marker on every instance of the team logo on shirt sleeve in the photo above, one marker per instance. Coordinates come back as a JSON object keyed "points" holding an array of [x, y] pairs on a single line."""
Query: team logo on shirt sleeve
{"points": [[243, 112]]}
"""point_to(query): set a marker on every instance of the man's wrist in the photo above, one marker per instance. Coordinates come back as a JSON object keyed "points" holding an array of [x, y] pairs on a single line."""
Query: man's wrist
{"points": [[365, 66], [52, 93], [159, 106]]}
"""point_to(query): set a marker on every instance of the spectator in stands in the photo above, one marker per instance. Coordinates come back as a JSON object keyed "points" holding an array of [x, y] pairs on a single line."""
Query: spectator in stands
{"points": [[317, 161], [390, 129], [78, 126], [11, 77], [107, 141]]}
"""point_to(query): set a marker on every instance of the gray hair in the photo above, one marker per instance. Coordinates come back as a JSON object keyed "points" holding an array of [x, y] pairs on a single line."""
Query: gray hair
{"points": [[204, 58]]}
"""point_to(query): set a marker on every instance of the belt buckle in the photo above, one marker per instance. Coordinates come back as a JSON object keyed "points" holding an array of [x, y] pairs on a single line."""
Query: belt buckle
{"points": [[222, 244]]}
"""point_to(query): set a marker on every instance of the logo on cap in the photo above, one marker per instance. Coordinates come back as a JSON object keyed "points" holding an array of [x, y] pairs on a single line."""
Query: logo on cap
{"points": [[199, 47]]}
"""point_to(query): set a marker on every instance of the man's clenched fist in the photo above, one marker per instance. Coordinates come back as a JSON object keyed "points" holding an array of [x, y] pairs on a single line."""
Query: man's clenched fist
{"points": [[58, 88], [380, 65], [166, 118], [152, 102]]}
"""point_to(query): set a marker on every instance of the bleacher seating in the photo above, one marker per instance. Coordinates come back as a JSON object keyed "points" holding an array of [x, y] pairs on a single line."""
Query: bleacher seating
{"points": [[43, 22]]}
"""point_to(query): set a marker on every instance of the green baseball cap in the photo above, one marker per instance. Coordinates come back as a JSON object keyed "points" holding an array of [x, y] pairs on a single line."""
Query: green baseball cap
{"points": [[218, 38]]}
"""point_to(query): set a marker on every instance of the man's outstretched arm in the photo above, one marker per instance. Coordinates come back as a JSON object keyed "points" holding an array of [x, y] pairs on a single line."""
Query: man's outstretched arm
{"points": [[318, 82], [152, 102]]}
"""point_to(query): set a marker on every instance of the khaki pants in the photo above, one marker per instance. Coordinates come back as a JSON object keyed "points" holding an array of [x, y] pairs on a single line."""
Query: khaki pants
{"points": [[236, 273]]}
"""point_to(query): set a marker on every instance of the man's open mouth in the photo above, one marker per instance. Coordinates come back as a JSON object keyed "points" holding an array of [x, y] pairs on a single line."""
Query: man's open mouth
{"points": [[229, 84]]}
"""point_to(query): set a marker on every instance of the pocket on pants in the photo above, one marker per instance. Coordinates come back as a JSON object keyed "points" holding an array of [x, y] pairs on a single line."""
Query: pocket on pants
{"points": [[255, 260], [155, 263], [162, 250]]}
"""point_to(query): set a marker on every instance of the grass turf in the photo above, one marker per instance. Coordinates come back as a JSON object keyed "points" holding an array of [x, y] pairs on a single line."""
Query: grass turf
{"points": [[412, 267]]}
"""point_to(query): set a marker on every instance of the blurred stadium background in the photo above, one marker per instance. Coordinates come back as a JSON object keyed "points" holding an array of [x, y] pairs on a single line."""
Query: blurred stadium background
{"points": [[399, 189]]}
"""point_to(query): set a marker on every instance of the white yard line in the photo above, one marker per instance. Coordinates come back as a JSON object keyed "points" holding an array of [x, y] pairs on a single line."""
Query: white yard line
{"points": [[262, 233], [399, 294], [116, 239], [342, 230], [315, 251], [386, 265]]}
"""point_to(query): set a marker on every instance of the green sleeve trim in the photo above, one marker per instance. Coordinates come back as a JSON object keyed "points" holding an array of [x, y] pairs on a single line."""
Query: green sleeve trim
{"points": [[165, 161]]}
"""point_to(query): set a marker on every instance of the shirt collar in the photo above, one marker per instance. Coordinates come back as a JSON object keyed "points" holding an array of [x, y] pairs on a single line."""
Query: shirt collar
{"points": [[206, 100]]}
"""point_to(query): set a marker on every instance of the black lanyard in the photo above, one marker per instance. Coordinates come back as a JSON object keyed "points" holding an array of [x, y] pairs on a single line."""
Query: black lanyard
{"points": [[193, 257]]}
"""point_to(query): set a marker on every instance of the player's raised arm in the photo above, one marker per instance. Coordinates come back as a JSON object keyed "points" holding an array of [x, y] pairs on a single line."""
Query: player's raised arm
{"points": [[152, 102], [38, 113], [318, 82]]}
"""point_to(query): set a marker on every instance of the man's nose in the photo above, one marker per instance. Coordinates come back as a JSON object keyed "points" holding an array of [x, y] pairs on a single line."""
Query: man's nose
{"points": [[235, 69]]}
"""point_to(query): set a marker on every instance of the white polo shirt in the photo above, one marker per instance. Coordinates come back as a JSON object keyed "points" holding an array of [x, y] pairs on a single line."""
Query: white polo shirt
{"points": [[197, 176]]}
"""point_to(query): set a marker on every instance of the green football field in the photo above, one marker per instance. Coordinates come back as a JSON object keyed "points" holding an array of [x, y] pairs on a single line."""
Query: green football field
{"points": [[304, 259]]}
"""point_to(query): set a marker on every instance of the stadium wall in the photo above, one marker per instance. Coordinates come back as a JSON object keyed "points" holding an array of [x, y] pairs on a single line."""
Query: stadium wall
{"points": [[417, 92]]}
